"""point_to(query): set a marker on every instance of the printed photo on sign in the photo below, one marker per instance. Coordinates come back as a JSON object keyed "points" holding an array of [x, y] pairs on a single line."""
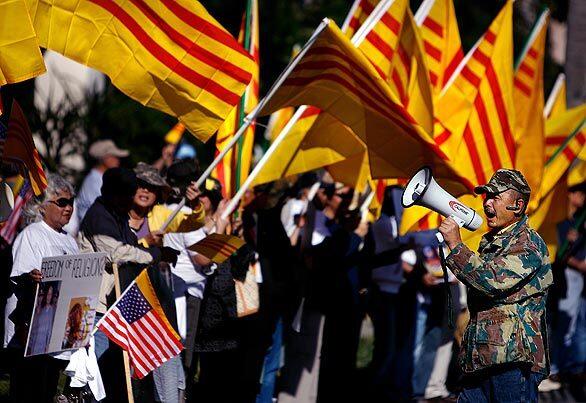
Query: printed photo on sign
{"points": [[79, 322], [43, 317], [66, 301]]}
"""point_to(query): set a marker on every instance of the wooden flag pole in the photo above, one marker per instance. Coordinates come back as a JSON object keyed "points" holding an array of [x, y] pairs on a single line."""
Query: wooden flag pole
{"points": [[251, 117], [124, 352]]}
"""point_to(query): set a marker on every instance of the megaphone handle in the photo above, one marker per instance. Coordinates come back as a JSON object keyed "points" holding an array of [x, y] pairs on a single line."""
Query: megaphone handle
{"points": [[459, 221]]}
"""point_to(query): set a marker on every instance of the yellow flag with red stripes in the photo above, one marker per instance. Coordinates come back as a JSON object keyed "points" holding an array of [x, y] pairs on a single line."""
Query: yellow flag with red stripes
{"points": [[571, 125], [171, 55], [529, 104], [483, 87], [358, 13], [234, 168], [334, 76], [217, 247], [20, 55], [441, 40], [554, 107]]}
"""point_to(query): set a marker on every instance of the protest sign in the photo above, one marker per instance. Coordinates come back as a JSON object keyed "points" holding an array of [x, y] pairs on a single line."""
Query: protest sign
{"points": [[65, 303]]}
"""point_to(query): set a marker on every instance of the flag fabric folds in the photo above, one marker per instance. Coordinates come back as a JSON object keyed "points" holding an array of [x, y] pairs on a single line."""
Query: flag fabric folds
{"points": [[217, 247], [137, 323], [337, 78], [170, 55], [529, 104], [233, 170], [359, 12], [478, 104], [20, 55], [441, 40], [19, 148], [10, 227]]}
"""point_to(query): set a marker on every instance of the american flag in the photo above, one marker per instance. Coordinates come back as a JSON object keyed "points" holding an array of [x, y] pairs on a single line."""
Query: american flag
{"points": [[8, 231], [137, 323]]}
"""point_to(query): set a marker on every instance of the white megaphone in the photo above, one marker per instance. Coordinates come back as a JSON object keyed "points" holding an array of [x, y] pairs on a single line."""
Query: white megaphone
{"points": [[424, 191]]}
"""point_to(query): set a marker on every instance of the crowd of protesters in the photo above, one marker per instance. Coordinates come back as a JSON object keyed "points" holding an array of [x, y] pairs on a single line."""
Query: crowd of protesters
{"points": [[321, 270]]}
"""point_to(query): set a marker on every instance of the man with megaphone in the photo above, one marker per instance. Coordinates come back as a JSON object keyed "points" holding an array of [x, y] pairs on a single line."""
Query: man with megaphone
{"points": [[504, 351]]}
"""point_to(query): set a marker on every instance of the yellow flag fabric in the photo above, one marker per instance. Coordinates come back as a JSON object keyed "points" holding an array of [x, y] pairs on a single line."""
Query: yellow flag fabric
{"points": [[277, 122], [571, 125], [577, 173], [359, 12], [174, 135], [234, 168], [170, 55], [441, 40], [529, 104], [337, 78], [381, 39], [482, 90], [552, 209], [20, 55], [217, 247]]}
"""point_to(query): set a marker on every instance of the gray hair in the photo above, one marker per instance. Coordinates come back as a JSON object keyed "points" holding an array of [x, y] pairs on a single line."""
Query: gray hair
{"points": [[56, 184]]}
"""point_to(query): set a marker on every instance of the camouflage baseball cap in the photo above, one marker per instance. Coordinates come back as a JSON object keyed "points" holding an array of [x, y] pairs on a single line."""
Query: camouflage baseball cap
{"points": [[149, 174], [505, 179]]}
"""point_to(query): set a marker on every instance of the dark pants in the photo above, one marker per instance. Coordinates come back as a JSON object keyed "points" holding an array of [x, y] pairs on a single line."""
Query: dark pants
{"points": [[384, 320], [189, 356], [510, 385], [34, 379]]}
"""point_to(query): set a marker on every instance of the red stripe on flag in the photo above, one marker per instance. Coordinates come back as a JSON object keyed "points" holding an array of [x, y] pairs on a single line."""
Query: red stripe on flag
{"points": [[527, 70], [399, 85], [522, 87], [157, 321], [458, 57], [532, 53], [310, 111], [204, 26], [481, 57], [555, 140], [443, 137], [391, 23], [487, 132], [165, 57], [321, 65], [321, 51], [376, 41], [302, 81], [432, 51], [433, 78], [490, 37], [434, 26], [501, 111], [570, 155], [424, 223], [194, 49], [474, 155], [469, 75], [404, 58], [581, 138]]}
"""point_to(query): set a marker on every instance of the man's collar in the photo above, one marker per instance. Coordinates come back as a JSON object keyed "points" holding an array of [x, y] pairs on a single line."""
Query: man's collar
{"points": [[513, 227]]}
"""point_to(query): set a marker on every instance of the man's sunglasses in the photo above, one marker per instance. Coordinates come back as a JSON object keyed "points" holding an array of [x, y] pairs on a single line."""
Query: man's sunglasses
{"points": [[63, 202]]}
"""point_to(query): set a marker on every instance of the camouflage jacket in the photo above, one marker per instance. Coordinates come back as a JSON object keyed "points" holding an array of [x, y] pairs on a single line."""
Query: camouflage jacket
{"points": [[507, 289]]}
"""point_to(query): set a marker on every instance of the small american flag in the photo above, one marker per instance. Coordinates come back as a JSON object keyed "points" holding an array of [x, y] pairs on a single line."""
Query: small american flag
{"points": [[8, 231], [137, 323]]}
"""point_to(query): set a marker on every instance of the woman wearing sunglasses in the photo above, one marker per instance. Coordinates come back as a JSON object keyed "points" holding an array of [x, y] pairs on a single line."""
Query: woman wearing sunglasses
{"points": [[43, 237], [147, 214]]}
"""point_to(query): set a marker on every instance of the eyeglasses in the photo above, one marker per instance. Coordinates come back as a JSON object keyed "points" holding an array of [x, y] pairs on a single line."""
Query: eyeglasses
{"points": [[63, 202]]}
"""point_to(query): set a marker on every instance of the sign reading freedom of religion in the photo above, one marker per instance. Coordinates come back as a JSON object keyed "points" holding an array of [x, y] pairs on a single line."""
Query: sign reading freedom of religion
{"points": [[65, 303]]}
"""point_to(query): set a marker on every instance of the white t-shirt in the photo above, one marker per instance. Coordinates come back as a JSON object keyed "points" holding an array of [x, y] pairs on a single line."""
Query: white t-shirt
{"points": [[35, 242], [187, 276]]}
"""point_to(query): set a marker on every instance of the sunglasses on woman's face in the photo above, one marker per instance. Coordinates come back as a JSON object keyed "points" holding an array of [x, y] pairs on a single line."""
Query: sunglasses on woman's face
{"points": [[63, 202]]}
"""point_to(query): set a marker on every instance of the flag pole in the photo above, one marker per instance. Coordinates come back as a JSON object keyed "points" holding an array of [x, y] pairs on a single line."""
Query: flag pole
{"points": [[251, 117]]}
